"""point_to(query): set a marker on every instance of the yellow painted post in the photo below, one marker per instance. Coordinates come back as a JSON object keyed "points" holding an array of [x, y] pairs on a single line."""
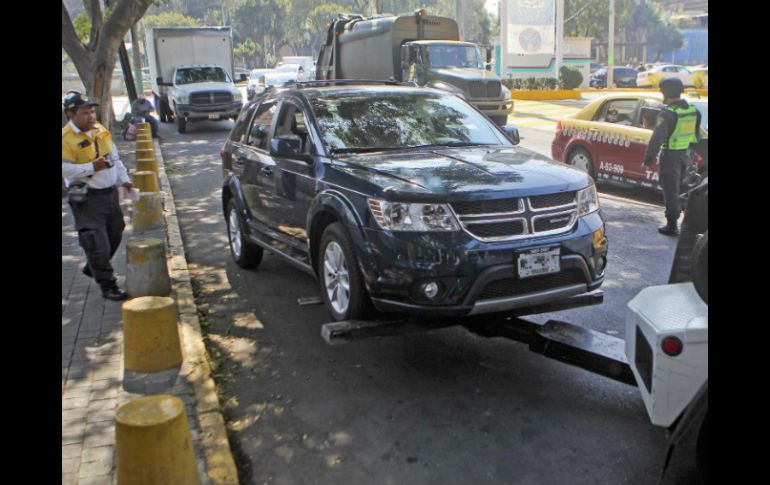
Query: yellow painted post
{"points": [[147, 213], [145, 153], [144, 144], [146, 181], [143, 126], [146, 268], [153, 445], [150, 334], [144, 137], [147, 164]]}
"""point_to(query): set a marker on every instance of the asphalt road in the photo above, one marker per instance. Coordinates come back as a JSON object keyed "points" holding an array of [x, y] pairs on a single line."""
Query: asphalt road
{"points": [[443, 407]]}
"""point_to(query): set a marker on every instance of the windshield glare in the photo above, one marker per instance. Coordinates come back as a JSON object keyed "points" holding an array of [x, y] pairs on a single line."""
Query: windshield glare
{"points": [[454, 56], [397, 120], [201, 75]]}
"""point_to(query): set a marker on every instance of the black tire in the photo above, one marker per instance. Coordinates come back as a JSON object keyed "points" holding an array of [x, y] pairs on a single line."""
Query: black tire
{"points": [[700, 267], [702, 450], [181, 124], [249, 255], [358, 304], [574, 157], [165, 112]]}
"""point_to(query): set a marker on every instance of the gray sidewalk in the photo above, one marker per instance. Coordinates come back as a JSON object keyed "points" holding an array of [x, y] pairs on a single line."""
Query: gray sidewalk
{"points": [[92, 362]]}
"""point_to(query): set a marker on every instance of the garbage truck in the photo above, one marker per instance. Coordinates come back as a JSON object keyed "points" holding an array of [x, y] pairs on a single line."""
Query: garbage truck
{"points": [[418, 48], [191, 70]]}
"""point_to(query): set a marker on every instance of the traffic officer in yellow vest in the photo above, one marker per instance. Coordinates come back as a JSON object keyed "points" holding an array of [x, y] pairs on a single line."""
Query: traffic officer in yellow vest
{"points": [[678, 125], [92, 168]]}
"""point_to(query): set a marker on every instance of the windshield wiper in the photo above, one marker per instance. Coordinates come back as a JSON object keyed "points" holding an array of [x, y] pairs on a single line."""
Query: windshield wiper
{"points": [[365, 149], [452, 144]]}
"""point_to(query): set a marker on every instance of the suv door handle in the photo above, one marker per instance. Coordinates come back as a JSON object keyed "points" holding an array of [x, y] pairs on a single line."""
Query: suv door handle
{"points": [[240, 160], [267, 171]]}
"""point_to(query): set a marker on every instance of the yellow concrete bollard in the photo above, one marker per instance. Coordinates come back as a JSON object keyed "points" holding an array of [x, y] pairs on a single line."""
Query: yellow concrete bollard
{"points": [[146, 268], [153, 445], [144, 144], [150, 334], [144, 137], [143, 126], [145, 154], [146, 181], [147, 213]]}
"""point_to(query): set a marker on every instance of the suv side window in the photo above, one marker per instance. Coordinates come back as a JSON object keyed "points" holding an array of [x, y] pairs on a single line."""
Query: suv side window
{"points": [[618, 111], [292, 122], [259, 133], [238, 134]]}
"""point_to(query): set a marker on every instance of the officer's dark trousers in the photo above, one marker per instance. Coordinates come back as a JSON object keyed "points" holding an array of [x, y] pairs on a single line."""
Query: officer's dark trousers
{"points": [[99, 222], [673, 164]]}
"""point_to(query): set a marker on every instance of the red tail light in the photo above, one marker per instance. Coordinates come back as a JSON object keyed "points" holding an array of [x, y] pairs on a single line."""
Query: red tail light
{"points": [[672, 346], [222, 153], [558, 127]]}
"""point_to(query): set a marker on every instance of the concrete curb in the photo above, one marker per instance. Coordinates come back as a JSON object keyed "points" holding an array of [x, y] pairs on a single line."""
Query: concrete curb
{"points": [[220, 465], [702, 92]]}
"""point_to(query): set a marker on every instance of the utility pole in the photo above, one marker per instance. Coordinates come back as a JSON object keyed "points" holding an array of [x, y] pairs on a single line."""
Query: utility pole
{"points": [[559, 36], [611, 47], [137, 54], [459, 17], [503, 39]]}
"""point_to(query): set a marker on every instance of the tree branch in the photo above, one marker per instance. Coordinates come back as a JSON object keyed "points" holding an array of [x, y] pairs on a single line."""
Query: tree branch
{"points": [[94, 12], [71, 44]]}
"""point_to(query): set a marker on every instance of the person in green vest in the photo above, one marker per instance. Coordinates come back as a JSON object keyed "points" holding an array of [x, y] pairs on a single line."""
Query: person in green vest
{"points": [[678, 126]]}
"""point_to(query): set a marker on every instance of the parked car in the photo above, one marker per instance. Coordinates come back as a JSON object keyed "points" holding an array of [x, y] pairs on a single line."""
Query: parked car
{"points": [[280, 78], [295, 70], [240, 74], [257, 82], [409, 199], [608, 138], [623, 77], [663, 71]]}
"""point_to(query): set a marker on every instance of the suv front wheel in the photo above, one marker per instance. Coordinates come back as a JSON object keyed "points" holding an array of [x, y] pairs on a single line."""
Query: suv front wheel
{"points": [[342, 285], [244, 253]]}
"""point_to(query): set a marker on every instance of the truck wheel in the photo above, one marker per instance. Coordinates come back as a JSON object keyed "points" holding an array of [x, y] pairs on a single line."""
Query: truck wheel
{"points": [[702, 450], [581, 159], [181, 124], [245, 254], [342, 285], [700, 266], [165, 112]]}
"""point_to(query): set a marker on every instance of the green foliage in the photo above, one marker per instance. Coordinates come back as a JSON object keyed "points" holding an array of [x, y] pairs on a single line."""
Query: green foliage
{"points": [[169, 19], [590, 18], [249, 52], [665, 37], [530, 83], [82, 26], [569, 77]]}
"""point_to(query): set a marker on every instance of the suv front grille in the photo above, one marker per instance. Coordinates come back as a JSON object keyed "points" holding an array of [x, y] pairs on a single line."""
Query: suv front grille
{"points": [[512, 286], [208, 98], [484, 89], [516, 218]]}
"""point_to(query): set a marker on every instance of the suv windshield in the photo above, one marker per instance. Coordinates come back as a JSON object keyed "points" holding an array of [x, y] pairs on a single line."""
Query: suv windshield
{"points": [[454, 56], [191, 75], [370, 121]]}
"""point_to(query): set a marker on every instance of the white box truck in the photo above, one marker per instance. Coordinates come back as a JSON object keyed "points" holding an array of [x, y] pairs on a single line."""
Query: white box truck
{"points": [[191, 69]]}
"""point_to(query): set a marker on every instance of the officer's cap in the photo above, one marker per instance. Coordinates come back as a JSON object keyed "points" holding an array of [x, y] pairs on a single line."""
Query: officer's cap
{"points": [[671, 87], [75, 100]]}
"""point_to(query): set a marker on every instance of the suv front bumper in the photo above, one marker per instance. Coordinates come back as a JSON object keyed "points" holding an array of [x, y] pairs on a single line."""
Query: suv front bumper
{"points": [[475, 277], [196, 112]]}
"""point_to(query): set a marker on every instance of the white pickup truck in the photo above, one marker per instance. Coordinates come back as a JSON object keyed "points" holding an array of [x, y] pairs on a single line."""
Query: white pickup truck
{"points": [[191, 70]]}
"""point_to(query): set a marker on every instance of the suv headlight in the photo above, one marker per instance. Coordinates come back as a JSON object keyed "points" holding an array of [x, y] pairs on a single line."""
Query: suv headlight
{"points": [[400, 216], [183, 98], [237, 96], [506, 93], [587, 200]]}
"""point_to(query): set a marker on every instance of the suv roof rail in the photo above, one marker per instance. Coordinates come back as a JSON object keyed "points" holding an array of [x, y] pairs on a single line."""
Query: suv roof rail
{"points": [[335, 82]]}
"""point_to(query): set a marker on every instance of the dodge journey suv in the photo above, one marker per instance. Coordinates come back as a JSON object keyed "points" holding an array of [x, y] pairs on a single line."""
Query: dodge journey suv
{"points": [[408, 200]]}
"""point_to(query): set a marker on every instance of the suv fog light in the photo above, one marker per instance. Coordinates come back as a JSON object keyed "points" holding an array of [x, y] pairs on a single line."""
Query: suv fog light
{"points": [[430, 289]]}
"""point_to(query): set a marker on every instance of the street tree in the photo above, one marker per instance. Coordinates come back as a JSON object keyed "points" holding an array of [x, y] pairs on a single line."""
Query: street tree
{"points": [[169, 19], [95, 59]]}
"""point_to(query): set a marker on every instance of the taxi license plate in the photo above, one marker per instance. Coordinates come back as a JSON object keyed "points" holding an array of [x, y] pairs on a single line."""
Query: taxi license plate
{"points": [[536, 262], [213, 116]]}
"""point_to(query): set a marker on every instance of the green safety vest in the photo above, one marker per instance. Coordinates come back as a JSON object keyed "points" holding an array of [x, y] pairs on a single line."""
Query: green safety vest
{"points": [[684, 131]]}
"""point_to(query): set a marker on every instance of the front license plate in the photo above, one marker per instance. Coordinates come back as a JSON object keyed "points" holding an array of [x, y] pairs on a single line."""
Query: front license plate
{"points": [[539, 261], [213, 116]]}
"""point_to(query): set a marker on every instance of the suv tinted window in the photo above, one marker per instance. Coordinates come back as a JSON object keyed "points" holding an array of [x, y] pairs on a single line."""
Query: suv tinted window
{"points": [[259, 134], [238, 134]]}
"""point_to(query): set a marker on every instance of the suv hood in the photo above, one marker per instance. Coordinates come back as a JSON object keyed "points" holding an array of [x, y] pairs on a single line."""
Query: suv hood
{"points": [[463, 173], [208, 86], [466, 74]]}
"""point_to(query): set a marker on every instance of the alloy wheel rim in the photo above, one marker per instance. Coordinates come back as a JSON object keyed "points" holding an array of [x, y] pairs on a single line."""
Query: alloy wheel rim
{"points": [[580, 161], [235, 233], [336, 277]]}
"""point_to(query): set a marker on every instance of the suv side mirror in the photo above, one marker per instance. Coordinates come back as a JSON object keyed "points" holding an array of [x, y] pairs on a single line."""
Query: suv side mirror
{"points": [[512, 133], [160, 82], [288, 146]]}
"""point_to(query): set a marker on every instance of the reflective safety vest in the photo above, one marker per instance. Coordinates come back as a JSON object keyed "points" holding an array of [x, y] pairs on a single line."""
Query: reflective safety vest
{"points": [[80, 148], [684, 130]]}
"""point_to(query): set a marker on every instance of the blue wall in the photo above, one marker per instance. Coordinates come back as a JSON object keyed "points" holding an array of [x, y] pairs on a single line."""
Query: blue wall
{"points": [[695, 50]]}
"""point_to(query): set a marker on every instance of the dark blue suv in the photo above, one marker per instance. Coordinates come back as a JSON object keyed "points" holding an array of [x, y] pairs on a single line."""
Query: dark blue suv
{"points": [[406, 199]]}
